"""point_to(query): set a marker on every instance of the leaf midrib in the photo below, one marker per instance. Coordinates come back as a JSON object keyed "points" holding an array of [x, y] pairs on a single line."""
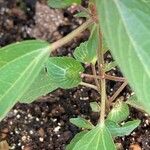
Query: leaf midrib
{"points": [[133, 43], [35, 60]]}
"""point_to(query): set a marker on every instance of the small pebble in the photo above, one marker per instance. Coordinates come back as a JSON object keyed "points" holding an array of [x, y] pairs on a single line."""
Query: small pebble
{"points": [[56, 129], [41, 139], [24, 138]]}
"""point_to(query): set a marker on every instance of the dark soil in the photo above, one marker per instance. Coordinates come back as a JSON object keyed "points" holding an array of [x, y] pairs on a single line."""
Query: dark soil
{"points": [[44, 124]]}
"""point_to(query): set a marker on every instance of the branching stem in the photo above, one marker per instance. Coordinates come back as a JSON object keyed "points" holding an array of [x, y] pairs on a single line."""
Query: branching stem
{"points": [[114, 78], [103, 81], [89, 85], [71, 35], [108, 77], [118, 91], [95, 76]]}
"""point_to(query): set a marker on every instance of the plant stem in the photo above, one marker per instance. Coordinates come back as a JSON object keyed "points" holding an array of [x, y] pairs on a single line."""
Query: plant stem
{"points": [[89, 85], [103, 82], [108, 77], [118, 91], [71, 35], [90, 76], [113, 78], [95, 76], [103, 101]]}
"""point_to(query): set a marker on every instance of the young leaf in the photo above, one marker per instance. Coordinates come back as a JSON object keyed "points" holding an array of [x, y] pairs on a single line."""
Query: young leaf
{"points": [[74, 141], [82, 14], [129, 43], [62, 3], [41, 86], [99, 138], [123, 130], [86, 52], [110, 66], [18, 70], [92, 44], [80, 53], [95, 106], [82, 123], [64, 71], [119, 112]]}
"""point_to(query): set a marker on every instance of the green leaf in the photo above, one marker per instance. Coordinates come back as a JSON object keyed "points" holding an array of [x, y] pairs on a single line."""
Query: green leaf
{"points": [[109, 66], [105, 45], [21, 63], [86, 52], [82, 123], [82, 14], [81, 52], [64, 71], [126, 27], [62, 3], [41, 86], [99, 138], [77, 137], [134, 103], [95, 107], [15, 50], [119, 112], [123, 130]]}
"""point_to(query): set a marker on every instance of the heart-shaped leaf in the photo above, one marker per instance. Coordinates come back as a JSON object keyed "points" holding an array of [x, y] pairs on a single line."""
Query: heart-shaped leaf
{"points": [[20, 64], [99, 138], [126, 27], [64, 71]]}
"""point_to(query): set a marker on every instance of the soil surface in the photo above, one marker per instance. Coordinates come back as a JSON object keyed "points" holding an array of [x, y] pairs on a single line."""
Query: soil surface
{"points": [[44, 124]]}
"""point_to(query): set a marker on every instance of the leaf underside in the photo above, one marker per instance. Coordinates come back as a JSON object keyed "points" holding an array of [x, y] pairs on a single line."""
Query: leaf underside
{"points": [[126, 27]]}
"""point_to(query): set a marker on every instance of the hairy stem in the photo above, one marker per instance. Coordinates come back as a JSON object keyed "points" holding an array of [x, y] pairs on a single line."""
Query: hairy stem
{"points": [[95, 76], [108, 77], [113, 78], [89, 85], [71, 35], [103, 82], [118, 91]]}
